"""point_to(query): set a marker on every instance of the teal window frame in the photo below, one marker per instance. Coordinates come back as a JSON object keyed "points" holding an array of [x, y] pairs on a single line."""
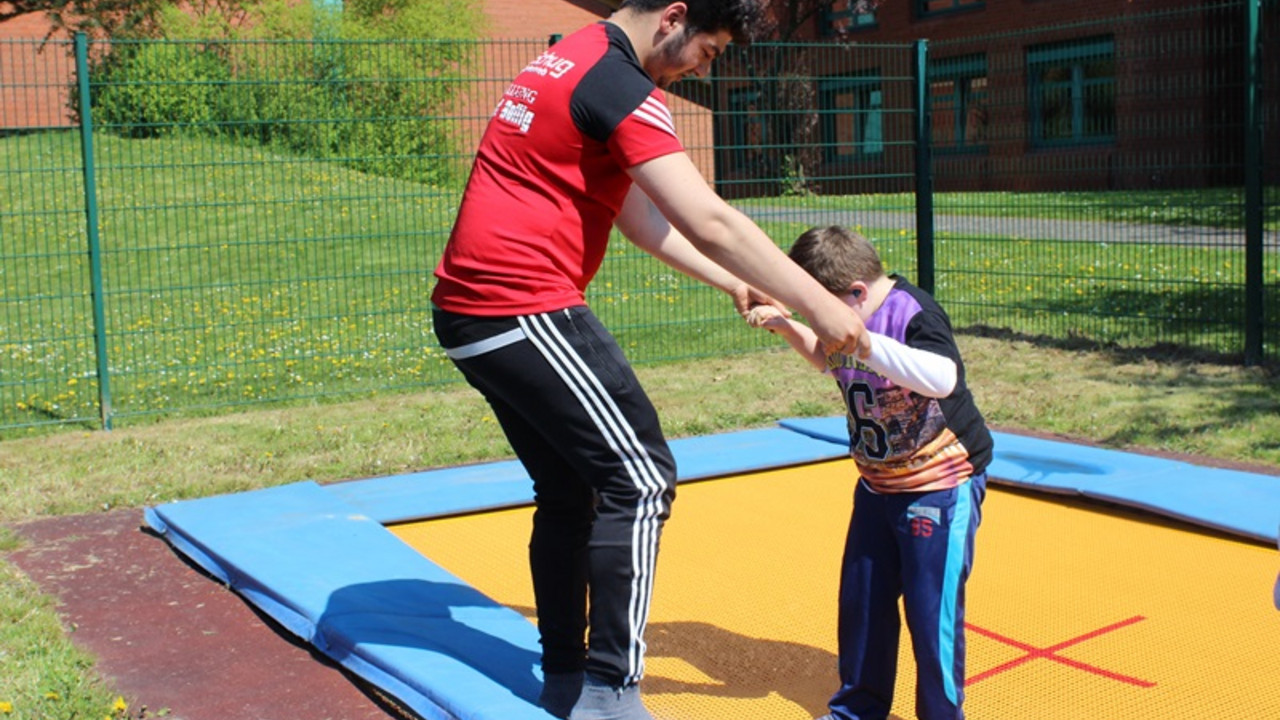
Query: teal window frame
{"points": [[847, 18], [865, 110], [1071, 92], [958, 86], [741, 121]]}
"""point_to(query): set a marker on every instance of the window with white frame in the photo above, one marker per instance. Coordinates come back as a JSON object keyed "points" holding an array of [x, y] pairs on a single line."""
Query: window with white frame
{"points": [[852, 114], [958, 102], [1071, 87]]}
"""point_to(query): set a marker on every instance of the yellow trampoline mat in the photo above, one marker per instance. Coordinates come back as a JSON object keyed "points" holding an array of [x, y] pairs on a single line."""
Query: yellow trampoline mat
{"points": [[1074, 611]]}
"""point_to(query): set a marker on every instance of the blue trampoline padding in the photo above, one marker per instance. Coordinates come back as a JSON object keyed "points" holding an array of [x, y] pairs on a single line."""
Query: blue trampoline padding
{"points": [[318, 561], [1240, 503], [471, 488], [446, 491], [342, 582]]}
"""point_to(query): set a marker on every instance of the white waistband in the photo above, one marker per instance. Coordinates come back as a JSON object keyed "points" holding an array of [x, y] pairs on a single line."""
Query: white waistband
{"points": [[488, 344]]}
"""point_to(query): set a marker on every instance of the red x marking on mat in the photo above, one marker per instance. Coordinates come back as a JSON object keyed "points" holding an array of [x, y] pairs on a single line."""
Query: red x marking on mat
{"points": [[1051, 653]]}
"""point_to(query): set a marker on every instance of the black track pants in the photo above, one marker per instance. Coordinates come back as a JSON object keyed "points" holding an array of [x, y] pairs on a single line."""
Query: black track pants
{"points": [[603, 476]]}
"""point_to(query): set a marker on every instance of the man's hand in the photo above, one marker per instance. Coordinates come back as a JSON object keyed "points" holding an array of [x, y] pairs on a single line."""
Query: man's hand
{"points": [[746, 297], [841, 330], [859, 346]]}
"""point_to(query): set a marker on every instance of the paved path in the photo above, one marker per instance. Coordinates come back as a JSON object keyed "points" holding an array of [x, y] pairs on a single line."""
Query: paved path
{"points": [[1037, 228]]}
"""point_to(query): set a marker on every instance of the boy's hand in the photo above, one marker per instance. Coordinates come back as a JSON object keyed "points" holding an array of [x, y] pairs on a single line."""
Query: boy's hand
{"points": [[764, 316]]}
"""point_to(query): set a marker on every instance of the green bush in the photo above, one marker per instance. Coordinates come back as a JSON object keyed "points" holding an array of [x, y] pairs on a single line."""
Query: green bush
{"points": [[364, 87], [393, 92], [331, 101], [285, 97], [344, 86], [155, 89]]}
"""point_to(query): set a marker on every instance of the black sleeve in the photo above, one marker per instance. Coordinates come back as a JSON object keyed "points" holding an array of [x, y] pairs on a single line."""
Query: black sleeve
{"points": [[608, 93], [930, 330]]}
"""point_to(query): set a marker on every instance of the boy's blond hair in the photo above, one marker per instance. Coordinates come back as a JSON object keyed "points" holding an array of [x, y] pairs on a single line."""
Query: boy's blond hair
{"points": [[837, 257]]}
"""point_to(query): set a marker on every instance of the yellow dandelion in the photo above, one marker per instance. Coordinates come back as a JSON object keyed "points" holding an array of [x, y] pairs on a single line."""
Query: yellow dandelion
{"points": [[6, 707], [119, 705]]}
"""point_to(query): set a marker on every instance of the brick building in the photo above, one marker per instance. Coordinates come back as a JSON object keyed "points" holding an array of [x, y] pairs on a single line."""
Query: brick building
{"points": [[1024, 94], [33, 76]]}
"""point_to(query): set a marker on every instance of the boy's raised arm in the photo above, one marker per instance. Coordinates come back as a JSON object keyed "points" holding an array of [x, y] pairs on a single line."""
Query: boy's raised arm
{"points": [[798, 335]]}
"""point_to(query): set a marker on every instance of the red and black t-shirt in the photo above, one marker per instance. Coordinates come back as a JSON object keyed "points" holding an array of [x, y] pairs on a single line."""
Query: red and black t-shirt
{"points": [[549, 177]]}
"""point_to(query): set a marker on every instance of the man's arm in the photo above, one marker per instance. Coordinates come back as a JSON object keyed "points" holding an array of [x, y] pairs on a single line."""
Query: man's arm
{"points": [[645, 226], [738, 245]]}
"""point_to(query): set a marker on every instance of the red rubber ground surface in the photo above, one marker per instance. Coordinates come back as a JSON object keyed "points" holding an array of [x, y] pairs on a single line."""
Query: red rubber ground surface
{"points": [[168, 636]]}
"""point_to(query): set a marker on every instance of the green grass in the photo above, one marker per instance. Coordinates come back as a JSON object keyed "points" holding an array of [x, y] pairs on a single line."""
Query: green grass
{"points": [[267, 322], [44, 675], [234, 277], [237, 276]]}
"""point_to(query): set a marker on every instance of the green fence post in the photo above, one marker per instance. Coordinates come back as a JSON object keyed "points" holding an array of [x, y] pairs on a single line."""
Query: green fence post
{"points": [[924, 172], [91, 223], [1253, 255]]}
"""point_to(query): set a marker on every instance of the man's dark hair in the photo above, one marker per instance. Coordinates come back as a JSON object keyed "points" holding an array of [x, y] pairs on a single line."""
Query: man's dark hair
{"points": [[742, 18]]}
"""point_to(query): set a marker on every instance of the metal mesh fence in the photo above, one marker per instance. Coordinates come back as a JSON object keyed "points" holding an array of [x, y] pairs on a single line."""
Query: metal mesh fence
{"points": [[263, 226], [286, 242], [1090, 179], [47, 370], [785, 142], [223, 224]]}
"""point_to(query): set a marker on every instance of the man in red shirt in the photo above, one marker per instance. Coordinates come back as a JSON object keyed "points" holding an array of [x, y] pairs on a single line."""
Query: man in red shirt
{"points": [[582, 141]]}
